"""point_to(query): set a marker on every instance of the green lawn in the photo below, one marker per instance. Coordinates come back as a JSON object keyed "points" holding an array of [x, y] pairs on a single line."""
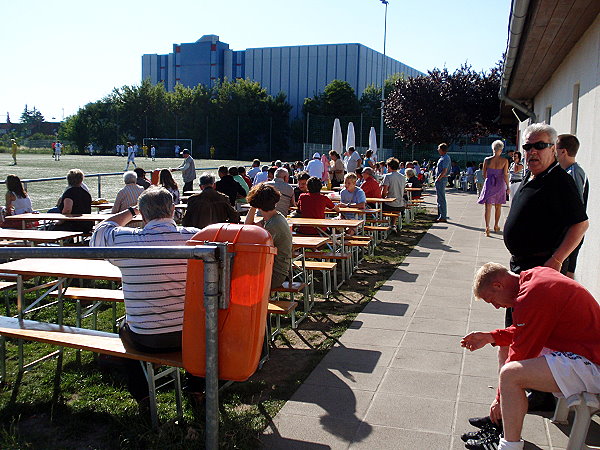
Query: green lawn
{"points": [[45, 194]]}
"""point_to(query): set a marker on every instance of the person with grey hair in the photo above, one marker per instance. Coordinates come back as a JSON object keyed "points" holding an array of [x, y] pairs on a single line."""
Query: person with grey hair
{"points": [[546, 222], [128, 195], [154, 290], [495, 187], [286, 191], [210, 206]]}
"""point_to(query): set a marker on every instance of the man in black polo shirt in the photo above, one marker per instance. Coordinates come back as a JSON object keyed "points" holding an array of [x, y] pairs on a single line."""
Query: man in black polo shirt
{"points": [[546, 222]]}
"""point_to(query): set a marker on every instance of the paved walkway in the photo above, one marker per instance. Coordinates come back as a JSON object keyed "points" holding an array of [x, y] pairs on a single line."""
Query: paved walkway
{"points": [[398, 377]]}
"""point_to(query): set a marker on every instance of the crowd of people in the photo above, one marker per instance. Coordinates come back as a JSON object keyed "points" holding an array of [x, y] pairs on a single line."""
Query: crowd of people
{"points": [[551, 338]]}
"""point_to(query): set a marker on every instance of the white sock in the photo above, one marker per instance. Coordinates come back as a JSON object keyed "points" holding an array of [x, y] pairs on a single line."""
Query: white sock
{"points": [[506, 445]]}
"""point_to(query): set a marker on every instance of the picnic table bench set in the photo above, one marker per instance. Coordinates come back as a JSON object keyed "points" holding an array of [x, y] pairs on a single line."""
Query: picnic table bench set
{"points": [[330, 251]]}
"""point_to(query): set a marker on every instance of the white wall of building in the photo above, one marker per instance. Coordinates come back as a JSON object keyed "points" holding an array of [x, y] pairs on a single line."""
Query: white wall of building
{"points": [[581, 67]]}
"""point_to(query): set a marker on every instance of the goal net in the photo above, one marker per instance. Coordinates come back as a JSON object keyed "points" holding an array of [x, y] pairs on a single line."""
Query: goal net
{"points": [[166, 147]]}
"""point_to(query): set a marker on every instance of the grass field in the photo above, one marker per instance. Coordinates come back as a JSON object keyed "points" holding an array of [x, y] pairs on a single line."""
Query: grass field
{"points": [[45, 194]]}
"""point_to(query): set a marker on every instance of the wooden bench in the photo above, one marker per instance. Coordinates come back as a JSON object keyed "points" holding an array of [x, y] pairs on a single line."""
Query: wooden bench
{"points": [[326, 268], [96, 295], [280, 308], [332, 256], [98, 342], [379, 232]]}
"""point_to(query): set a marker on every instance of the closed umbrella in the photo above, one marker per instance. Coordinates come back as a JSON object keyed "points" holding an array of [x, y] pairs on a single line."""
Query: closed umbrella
{"points": [[337, 142], [350, 136], [373, 142]]}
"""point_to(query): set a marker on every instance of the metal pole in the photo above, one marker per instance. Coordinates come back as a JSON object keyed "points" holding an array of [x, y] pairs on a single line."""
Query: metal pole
{"points": [[238, 138], [207, 134], [211, 299], [383, 76], [270, 138]]}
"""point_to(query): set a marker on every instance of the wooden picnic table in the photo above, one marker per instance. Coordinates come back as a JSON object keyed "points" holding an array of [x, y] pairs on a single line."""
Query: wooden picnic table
{"points": [[93, 217], [37, 236], [310, 242], [60, 268]]}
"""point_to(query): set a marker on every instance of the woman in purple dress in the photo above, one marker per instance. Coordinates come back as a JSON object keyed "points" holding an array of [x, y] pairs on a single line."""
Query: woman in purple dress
{"points": [[495, 187]]}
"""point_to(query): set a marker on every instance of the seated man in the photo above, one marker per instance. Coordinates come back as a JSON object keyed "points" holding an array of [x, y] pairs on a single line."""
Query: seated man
{"points": [[154, 289], [228, 186], [210, 206], [286, 192], [264, 198], [141, 178], [370, 186], [552, 313], [128, 195]]}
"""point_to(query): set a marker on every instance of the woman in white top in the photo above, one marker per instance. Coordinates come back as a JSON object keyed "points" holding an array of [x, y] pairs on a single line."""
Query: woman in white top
{"points": [[516, 173], [17, 200]]}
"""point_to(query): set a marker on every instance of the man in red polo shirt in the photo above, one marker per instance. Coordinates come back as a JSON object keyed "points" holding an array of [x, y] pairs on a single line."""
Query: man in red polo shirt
{"points": [[370, 184], [553, 315]]}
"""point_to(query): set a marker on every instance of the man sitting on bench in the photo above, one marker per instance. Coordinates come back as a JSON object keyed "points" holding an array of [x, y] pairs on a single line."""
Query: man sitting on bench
{"points": [[153, 289], [553, 316]]}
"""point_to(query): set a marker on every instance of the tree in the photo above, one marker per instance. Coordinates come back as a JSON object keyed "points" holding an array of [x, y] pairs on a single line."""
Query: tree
{"points": [[337, 99], [443, 106], [31, 116]]}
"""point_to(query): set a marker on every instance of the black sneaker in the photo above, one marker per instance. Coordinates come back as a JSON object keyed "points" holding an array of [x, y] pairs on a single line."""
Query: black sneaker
{"points": [[490, 442], [482, 433], [481, 422]]}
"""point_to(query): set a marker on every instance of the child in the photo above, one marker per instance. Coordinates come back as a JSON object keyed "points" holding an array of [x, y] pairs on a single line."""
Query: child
{"points": [[351, 197], [312, 204]]}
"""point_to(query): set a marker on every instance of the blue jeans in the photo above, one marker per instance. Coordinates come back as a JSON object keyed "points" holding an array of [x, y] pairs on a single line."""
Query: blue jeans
{"points": [[440, 190]]}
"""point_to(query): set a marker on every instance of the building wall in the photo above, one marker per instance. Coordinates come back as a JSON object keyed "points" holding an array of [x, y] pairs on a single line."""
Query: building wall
{"points": [[299, 71], [559, 98]]}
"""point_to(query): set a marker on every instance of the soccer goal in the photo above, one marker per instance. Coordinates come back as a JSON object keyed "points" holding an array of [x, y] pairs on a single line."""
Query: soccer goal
{"points": [[165, 147]]}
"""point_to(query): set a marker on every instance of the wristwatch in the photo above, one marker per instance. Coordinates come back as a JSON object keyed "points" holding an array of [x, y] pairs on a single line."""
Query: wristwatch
{"points": [[131, 210]]}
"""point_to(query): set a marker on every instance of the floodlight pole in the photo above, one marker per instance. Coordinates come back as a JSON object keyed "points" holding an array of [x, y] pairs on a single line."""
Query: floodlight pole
{"points": [[385, 2]]}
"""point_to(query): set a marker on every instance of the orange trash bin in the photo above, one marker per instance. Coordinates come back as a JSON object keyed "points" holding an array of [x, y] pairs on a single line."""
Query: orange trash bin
{"points": [[241, 326], [155, 177]]}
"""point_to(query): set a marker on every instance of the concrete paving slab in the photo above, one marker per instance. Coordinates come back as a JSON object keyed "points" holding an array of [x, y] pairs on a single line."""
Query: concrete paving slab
{"points": [[398, 378]]}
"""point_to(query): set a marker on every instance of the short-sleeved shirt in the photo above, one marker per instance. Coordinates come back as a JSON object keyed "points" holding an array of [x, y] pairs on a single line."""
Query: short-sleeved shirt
{"points": [[351, 162], [260, 177], [357, 196], [286, 194], [315, 168], [313, 205], [279, 229], [371, 188], [443, 163], [542, 212], [126, 197], [395, 182], [581, 180], [252, 172], [154, 289]]}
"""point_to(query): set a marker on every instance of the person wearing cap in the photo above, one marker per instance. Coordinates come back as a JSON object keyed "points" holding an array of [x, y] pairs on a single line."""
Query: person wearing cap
{"points": [[188, 170], [315, 166], [370, 184]]}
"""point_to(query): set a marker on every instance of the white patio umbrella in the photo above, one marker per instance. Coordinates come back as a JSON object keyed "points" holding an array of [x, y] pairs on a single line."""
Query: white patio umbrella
{"points": [[337, 142], [350, 136], [373, 142]]}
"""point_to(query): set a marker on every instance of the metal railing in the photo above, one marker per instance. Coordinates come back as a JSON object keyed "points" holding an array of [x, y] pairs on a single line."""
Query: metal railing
{"points": [[216, 295], [90, 175]]}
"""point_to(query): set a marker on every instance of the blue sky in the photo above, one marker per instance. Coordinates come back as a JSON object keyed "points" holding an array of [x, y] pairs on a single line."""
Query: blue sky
{"points": [[60, 55]]}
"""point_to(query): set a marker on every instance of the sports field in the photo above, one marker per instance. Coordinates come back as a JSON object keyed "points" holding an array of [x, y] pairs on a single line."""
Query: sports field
{"points": [[44, 195]]}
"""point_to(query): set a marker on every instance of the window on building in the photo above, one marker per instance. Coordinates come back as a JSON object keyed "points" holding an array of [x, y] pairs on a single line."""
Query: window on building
{"points": [[548, 114], [575, 108]]}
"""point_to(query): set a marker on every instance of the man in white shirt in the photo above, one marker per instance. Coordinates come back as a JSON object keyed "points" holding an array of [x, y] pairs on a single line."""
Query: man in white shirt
{"points": [[352, 160], [315, 166]]}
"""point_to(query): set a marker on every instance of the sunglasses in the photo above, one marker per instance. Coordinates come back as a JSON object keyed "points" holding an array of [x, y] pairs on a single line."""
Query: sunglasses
{"points": [[537, 145]]}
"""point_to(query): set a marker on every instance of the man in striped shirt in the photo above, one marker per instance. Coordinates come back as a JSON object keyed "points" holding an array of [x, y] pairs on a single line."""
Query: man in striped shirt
{"points": [[128, 195], [154, 289]]}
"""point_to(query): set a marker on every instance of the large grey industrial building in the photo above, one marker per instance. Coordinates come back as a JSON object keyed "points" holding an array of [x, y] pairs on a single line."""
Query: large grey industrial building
{"points": [[300, 71]]}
